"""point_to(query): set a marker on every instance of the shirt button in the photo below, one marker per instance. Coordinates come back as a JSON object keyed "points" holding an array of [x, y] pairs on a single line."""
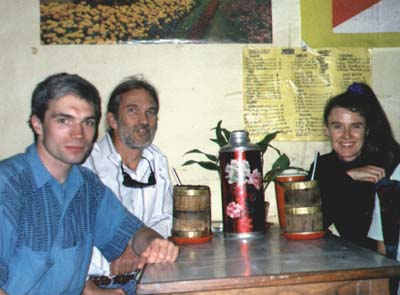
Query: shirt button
{"points": [[49, 262]]}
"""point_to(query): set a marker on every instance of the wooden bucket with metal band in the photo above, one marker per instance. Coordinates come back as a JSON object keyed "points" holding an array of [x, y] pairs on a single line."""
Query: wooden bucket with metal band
{"points": [[303, 210], [287, 175], [192, 211]]}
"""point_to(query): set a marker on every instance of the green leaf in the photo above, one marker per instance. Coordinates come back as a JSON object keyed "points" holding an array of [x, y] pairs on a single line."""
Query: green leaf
{"points": [[275, 149], [206, 165], [189, 162], [209, 165], [278, 166], [282, 162], [209, 156], [264, 143], [197, 151], [270, 176], [226, 133], [220, 135]]}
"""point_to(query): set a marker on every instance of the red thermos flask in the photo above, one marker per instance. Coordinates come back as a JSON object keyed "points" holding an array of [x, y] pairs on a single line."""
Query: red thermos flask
{"points": [[241, 186]]}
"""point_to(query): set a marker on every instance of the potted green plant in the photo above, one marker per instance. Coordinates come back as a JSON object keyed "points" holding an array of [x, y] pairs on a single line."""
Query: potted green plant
{"points": [[221, 139]]}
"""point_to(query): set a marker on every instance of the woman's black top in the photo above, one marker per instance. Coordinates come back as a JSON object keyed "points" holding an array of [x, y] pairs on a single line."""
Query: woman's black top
{"points": [[346, 203]]}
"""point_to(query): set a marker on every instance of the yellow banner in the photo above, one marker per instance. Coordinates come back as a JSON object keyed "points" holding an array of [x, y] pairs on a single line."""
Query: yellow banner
{"points": [[285, 89]]}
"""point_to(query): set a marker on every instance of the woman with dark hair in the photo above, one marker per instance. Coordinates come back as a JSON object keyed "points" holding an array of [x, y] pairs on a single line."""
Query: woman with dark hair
{"points": [[363, 152]]}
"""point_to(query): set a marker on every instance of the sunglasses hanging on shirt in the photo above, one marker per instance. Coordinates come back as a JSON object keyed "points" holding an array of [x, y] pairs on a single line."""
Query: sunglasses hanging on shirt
{"points": [[129, 182]]}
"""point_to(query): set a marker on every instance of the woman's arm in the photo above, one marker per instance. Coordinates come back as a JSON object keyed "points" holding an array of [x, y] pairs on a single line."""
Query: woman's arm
{"points": [[368, 173]]}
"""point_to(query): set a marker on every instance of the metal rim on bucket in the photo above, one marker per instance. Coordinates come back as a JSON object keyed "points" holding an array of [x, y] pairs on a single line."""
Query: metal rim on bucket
{"points": [[295, 185], [292, 172], [303, 210], [190, 234], [190, 190]]}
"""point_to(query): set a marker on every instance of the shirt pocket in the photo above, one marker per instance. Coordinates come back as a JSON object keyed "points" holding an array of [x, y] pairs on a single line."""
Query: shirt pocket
{"points": [[68, 268]]}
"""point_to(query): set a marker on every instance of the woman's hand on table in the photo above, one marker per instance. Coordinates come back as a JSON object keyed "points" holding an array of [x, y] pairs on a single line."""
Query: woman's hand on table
{"points": [[368, 173]]}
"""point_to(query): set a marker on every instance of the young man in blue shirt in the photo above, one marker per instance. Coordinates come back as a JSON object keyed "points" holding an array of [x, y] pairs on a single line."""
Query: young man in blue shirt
{"points": [[53, 211]]}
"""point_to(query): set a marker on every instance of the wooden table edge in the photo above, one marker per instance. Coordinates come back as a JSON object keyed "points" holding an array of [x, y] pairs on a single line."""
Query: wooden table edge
{"points": [[268, 280]]}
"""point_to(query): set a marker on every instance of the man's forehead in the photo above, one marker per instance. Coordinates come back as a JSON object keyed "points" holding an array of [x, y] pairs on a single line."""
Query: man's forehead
{"points": [[138, 97], [71, 102]]}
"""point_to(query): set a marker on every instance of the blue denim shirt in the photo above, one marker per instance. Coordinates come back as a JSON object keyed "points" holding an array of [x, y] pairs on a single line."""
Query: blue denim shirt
{"points": [[48, 229]]}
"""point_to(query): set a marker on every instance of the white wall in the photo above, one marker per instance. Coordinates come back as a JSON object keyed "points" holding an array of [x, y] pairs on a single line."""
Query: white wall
{"points": [[198, 85]]}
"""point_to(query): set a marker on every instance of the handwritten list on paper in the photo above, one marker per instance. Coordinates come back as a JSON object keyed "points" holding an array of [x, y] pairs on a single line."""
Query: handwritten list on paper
{"points": [[285, 89]]}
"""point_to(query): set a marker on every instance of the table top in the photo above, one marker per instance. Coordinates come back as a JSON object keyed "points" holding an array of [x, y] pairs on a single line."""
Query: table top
{"points": [[271, 259]]}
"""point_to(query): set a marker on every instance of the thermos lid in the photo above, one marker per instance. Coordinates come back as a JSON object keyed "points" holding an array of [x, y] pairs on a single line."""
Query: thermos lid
{"points": [[239, 139]]}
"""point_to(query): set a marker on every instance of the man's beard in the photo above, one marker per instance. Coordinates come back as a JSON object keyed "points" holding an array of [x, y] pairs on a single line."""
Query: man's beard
{"points": [[127, 135]]}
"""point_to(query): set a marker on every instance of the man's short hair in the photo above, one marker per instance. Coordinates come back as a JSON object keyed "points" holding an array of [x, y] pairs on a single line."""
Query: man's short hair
{"points": [[128, 84], [59, 85]]}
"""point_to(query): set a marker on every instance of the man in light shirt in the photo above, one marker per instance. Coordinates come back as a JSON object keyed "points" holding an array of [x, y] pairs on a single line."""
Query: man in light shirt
{"points": [[127, 162], [376, 230]]}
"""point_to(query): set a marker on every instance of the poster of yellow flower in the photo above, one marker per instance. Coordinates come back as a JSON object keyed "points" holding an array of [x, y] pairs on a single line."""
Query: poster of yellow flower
{"points": [[131, 21]]}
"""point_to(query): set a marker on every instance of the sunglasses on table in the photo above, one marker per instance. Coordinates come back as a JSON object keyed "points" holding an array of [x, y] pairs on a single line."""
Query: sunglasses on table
{"points": [[105, 281], [129, 182]]}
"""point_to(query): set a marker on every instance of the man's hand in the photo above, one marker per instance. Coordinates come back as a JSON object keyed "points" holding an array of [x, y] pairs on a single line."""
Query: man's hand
{"points": [[2, 292], [160, 250], [380, 248], [368, 173], [127, 262], [92, 289], [152, 247]]}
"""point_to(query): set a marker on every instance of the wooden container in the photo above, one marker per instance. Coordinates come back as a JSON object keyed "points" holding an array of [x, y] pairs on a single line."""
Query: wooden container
{"points": [[303, 210], [287, 175], [192, 211]]}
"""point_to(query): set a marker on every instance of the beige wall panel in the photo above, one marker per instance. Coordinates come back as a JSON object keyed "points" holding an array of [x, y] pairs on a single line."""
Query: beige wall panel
{"points": [[198, 85]]}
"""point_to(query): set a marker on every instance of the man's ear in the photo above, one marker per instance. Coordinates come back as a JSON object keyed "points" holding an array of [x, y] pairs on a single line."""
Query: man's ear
{"points": [[36, 125], [111, 121]]}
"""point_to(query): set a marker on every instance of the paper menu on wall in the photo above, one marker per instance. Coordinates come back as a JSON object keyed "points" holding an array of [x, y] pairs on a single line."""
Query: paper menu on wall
{"points": [[285, 89]]}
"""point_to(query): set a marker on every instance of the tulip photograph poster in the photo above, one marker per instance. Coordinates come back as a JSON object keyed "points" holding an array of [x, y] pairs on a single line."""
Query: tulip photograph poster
{"points": [[152, 21]]}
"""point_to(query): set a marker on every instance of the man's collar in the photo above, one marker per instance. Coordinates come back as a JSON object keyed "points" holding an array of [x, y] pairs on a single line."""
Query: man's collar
{"points": [[40, 173], [108, 150]]}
